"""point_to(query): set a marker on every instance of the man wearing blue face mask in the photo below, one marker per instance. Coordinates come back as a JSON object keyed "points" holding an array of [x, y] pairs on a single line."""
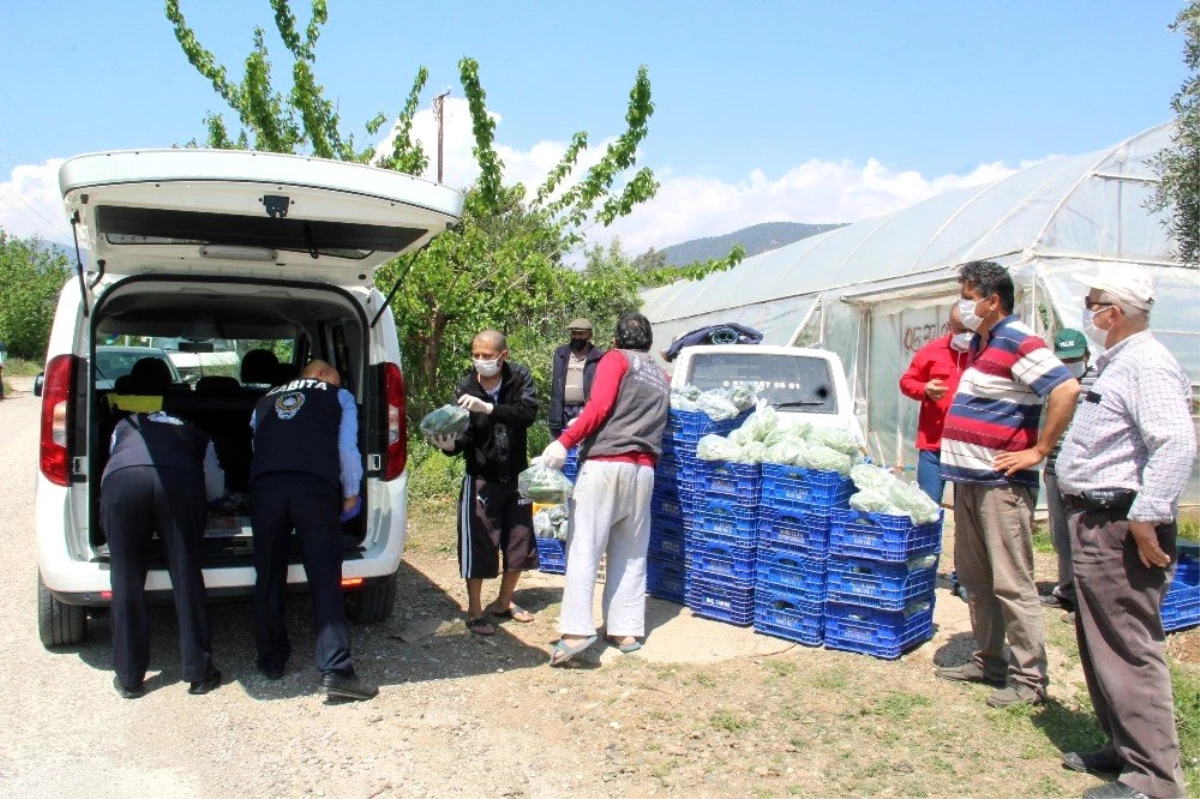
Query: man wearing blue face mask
{"points": [[991, 446], [493, 518]]}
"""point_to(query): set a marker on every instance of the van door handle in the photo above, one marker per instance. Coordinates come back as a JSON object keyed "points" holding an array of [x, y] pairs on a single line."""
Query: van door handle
{"points": [[374, 462]]}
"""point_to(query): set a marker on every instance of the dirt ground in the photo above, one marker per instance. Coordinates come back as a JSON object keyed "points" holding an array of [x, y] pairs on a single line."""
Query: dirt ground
{"points": [[705, 710]]}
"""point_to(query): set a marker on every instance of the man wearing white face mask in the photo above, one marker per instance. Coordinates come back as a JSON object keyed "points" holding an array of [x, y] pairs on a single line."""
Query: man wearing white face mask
{"points": [[990, 450], [1070, 347], [493, 518], [1122, 470]]}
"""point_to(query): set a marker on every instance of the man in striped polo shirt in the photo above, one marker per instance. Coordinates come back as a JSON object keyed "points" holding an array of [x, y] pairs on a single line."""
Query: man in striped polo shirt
{"points": [[990, 450]]}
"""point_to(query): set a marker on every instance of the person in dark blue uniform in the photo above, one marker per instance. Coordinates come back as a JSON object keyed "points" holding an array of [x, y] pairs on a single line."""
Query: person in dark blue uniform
{"points": [[159, 474], [305, 476]]}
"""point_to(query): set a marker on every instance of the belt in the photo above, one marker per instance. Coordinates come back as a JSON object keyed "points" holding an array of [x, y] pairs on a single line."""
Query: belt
{"points": [[1110, 500]]}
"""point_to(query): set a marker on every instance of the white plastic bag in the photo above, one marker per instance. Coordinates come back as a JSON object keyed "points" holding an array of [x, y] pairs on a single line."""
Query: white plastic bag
{"points": [[717, 448]]}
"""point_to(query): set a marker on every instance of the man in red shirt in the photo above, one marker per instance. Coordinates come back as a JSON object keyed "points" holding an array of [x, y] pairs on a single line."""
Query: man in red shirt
{"points": [[932, 379]]}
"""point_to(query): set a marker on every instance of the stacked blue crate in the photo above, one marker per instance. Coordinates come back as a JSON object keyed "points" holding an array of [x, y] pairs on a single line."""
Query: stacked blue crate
{"points": [[1181, 605], [793, 525], [571, 467], [720, 540], [879, 582]]}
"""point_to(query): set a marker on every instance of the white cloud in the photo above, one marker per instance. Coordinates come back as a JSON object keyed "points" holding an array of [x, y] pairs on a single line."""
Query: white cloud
{"points": [[31, 205]]}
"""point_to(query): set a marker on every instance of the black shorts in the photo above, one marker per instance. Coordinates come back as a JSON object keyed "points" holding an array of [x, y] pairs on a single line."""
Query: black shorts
{"points": [[493, 518]]}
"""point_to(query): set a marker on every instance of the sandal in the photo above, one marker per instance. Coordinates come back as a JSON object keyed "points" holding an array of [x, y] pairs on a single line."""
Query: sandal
{"points": [[515, 612], [563, 652], [625, 648], [481, 626]]}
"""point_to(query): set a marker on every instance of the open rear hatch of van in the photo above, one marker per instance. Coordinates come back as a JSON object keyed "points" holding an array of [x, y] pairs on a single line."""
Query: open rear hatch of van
{"points": [[249, 246]]}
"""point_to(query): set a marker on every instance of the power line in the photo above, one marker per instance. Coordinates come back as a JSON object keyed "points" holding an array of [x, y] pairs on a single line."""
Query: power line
{"points": [[20, 143], [37, 213], [46, 147]]}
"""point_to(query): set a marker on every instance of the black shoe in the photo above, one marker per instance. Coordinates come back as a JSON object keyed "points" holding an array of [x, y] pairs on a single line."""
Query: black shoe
{"points": [[1056, 601], [1103, 762], [272, 671], [341, 686], [207, 684], [126, 692], [1113, 790]]}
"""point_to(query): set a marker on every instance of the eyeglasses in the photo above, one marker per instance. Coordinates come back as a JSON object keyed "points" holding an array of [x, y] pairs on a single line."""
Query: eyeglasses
{"points": [[1092, 305]]}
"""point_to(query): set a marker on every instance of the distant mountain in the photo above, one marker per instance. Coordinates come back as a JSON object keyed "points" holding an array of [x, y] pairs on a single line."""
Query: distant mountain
{"points": [[755, 239]]}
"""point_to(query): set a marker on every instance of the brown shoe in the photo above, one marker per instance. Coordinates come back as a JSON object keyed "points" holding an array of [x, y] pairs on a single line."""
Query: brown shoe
{"points": [[1015, 695], [967, 672], [1103, 762]]}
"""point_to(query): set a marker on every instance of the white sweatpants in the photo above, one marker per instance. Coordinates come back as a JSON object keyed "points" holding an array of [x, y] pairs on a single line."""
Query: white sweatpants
{"points": [[610, 515]]}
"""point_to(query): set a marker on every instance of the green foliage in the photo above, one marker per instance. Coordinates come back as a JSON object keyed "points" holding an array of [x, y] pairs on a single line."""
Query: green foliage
{"points": [[1178, 166], [32, 275], [1185, 685]]}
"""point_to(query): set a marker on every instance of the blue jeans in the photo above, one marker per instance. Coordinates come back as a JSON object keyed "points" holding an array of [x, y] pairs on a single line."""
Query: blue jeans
{"points": [[929, 474]]}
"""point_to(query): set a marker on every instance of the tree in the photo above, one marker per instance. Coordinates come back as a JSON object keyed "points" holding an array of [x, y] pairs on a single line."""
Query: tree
{"points": [[1178, 166], [506, 263], [33, 275]]}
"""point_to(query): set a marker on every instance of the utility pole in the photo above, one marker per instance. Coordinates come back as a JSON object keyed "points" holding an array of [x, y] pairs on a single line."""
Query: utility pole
{"points": [[439, 115]]}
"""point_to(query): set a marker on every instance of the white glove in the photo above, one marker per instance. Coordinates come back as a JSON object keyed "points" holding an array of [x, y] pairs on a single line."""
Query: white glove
{"points": [[554, 455], [572, 421], [474, 404], [443, 442]]}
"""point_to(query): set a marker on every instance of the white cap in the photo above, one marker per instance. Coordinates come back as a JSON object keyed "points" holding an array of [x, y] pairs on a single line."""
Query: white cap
{"points": [[1131, 284]]}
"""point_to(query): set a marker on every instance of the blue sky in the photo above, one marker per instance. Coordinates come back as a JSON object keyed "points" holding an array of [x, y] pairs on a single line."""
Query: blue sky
{"points": [[813, 111]]}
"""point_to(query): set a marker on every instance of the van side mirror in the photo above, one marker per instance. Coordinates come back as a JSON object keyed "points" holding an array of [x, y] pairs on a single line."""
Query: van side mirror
{"points": [[37, 384]]}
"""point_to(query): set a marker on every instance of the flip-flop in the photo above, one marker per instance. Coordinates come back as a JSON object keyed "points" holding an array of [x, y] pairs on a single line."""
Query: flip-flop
{"points": [[567, 651], [515, 612], [625, 648], [481, 626]]}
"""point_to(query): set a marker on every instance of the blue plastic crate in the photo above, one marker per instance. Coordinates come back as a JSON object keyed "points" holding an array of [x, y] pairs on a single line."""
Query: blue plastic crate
{"points": [[667, 541], [691, 426], [720, 561], [788, 615], [665, 505], [552, 556], [879, 633], [879, 584], [571, 466], [811, 487], [783, 568], [724, 517], [672, 470], [740, 481], [665, 580], [1181, 605], [795, 528], [877, 536], [713, 599]]}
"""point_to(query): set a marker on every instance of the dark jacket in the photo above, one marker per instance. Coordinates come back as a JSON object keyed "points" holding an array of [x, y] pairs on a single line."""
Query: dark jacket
{"points": [[495, 444], [558, 385]]}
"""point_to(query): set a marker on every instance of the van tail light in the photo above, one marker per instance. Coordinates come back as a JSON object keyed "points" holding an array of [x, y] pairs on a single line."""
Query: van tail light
{"points": [[56, 395], [397, 423]]}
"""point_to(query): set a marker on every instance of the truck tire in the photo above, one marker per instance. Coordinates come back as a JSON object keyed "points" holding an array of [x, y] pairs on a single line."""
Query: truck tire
{"points": [[373, 603], [59, 624]]}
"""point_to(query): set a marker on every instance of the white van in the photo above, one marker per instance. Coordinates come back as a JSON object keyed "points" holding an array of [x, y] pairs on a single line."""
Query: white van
{"points": [[277, 252], [801, 384]]}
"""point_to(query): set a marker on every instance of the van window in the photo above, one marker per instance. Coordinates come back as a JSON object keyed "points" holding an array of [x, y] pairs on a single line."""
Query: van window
{"points": [[786, 381]]}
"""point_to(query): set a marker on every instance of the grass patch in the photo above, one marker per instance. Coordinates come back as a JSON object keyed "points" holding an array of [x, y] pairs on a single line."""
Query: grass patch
{"points": [[1042, 542], [1185, 684], [1189, 529], [727, 721], [830, 680], [897, 706], [19, 367], [704, 680], [781, 668]]}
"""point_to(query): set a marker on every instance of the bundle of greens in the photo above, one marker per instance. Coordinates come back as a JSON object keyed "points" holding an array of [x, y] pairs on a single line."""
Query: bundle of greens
{"points": [[445, 421]]}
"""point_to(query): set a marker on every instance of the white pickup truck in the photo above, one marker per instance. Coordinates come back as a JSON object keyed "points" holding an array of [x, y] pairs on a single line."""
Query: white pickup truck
{"points": [[801, 384]]}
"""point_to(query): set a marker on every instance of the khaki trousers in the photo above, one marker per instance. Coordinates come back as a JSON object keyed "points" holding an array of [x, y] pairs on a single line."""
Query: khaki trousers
{"points": [[1118, 621], [993, 554]]}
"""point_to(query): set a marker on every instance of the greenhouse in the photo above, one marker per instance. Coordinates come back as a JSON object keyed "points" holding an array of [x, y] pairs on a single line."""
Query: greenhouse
{"points": [[876, 291]]}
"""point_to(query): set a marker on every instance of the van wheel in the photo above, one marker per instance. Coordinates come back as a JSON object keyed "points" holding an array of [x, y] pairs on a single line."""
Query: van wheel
{"points": [[373, 603], [59, 624]]}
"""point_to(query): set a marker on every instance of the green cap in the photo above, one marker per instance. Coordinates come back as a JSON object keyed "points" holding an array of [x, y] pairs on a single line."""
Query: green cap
{"points": [[1069, 344]]}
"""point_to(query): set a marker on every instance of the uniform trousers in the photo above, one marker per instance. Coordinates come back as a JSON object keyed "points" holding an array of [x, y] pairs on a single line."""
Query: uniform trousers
{"points": [[281, 502], [134, 503], [1118, 622]]}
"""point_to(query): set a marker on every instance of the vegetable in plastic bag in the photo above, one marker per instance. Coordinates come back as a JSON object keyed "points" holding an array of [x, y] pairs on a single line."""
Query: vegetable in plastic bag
{"points": [[545, 485], [717, 405], [551, 522], [867, 477], [834, 438], [446, 420], [788, 451], [761, 423], [751, 452], [743, 397], [820, 457], [684, 399], [717, 448], [870, 500]]}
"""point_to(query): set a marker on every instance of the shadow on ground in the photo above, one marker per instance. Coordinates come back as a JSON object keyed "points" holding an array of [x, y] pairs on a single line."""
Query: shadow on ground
{"points": [[380, 655]]}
